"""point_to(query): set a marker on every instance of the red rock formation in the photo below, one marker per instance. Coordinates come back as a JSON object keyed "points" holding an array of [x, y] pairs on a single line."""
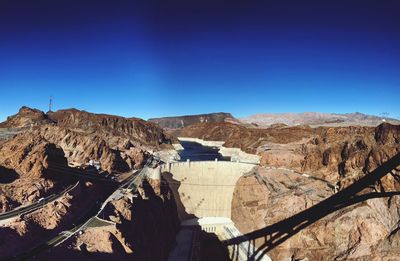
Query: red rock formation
{"points": [[248, 139], [145, 230], [31, 160], [26, 117], [118, 143], [364, 231], [179, 122], [138, 130]]}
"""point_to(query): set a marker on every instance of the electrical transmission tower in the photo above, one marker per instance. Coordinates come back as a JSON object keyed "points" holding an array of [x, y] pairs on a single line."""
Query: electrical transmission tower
{"points": [[50, 103]]}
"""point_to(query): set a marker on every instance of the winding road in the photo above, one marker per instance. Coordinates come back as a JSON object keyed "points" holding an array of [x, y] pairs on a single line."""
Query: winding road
{"points": [[37, 205], [90, 215]]}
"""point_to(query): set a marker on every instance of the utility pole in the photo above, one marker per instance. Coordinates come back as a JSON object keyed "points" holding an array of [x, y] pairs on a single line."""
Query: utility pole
{"points": [[50, 103]]}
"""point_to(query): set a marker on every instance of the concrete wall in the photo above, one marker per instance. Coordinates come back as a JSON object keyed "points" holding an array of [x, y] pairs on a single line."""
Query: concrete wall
{"points": [[204, 188]]}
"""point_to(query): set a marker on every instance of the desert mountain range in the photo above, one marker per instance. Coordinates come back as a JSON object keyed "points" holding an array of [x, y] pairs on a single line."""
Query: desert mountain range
{"points": [[313, 119], [39, 150]]}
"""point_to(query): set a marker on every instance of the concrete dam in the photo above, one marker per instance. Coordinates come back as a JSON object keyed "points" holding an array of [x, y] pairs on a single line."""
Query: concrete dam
{"points": [[204, 188], [203, 192]]}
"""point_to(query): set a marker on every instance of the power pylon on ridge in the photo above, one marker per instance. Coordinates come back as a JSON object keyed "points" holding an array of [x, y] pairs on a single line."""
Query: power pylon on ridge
{"points": [[50, 103]]}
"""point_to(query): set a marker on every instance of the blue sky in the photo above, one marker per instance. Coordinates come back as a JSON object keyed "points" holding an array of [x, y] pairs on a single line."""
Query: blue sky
{"points": [[162, 58]]}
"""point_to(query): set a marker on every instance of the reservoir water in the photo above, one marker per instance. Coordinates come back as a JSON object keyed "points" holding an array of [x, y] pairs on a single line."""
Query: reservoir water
{"points": [[196, 152]]}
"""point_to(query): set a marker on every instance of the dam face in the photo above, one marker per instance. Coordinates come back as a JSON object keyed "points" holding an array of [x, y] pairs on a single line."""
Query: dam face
{"points": [[204, 188]]}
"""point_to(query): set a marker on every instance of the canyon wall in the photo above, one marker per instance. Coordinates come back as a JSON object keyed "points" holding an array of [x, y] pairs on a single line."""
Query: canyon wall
{"points": [[179, 122]]}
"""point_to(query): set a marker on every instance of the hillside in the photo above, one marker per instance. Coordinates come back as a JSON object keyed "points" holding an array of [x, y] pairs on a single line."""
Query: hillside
{"points": [[179, 122], [26, 117], [317, 119]]}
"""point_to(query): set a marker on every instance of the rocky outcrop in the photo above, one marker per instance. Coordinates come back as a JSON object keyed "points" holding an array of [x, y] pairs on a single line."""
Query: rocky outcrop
{"points": [[26, 117], [145, 229], [247, 139], [114, 153], [32, 162], [184, 121], [120, 144], [340, 155], [365, 230], [31, 155], [137, 130], [26, 231]]}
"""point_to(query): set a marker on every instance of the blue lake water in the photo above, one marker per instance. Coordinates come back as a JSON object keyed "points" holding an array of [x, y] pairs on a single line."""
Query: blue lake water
{"points": [[196, 152]]}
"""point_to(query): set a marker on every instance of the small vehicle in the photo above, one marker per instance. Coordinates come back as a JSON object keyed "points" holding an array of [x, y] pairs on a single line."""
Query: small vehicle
{"points": [[80, 232], [40, 199]]}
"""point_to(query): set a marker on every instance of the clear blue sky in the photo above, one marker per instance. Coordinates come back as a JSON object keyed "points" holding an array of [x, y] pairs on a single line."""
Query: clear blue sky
{"points": [[162, 58]]}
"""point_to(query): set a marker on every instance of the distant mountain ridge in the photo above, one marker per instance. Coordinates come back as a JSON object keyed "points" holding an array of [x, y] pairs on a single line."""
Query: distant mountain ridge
{"points": [[316, 119], [179, 122]]}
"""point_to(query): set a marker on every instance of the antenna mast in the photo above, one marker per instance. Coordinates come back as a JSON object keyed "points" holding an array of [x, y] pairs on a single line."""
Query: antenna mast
{"points": [[50, 103]]}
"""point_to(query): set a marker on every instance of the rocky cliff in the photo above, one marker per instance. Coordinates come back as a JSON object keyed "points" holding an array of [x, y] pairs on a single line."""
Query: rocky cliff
{"points": [[27, 169], [368, 230], [145, 229], [247, 139], [338, 154], [26, 117], [138, 130], [29, 161], [365, 230], [118, 143], [179, 122], [114, 153]]}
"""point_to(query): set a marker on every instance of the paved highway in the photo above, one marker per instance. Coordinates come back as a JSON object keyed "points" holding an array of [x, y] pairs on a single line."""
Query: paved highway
{"points": [[80, 173], [37, 205], [87, 218]]}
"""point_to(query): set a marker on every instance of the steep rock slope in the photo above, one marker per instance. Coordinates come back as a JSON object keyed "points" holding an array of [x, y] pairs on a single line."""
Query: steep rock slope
{"points": [[25, 232], [145, 230], [248, 139], [26, 117], [338, 154], [118, 143], [27, 168], [368, 230], [114, 153], [138, 130], [179, 122]]}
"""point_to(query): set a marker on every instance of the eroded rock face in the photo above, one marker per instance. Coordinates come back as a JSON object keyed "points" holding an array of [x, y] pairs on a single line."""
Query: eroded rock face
{"points": [[28, 163], [184, 121], [138, 130], [30, 155], [247, 139], [120, 144], [80, 147], [145, 230], [24, 232], [362, 231], [341, 155], [26, 117]]}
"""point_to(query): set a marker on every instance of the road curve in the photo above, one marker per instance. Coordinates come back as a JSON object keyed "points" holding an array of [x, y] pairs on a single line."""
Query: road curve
{"points": [[37, 205]]}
